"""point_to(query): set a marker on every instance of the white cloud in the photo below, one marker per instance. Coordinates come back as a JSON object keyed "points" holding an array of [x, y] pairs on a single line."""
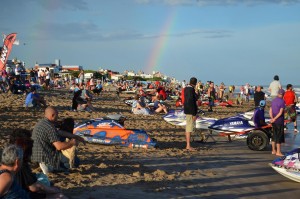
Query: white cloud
{"points": [[90, 31]]}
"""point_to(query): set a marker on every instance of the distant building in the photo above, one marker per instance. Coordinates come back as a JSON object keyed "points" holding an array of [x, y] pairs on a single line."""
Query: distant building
{"points": [[116, 77], [157, 74], [53, 68], [146, 76], [131, 73], [67, 68], [88, 75]]}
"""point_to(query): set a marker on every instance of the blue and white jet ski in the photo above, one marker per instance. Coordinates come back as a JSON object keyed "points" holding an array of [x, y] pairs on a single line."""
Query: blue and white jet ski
{"points": [[239, 126], [288, 165], [231, 125], [178, 118], [239, 123], [298, 108]]}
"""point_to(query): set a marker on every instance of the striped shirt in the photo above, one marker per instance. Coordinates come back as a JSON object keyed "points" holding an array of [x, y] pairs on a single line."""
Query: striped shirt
{"points": [[43, 150]]}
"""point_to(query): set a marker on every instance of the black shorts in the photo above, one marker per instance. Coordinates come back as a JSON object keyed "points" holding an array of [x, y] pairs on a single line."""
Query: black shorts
{"points": [[79, 100], [278, 133], [35, 195]]}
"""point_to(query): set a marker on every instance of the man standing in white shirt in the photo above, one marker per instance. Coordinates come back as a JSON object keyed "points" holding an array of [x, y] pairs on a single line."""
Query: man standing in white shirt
{"points": [[47, 81], [17, 72], [274, 87]]}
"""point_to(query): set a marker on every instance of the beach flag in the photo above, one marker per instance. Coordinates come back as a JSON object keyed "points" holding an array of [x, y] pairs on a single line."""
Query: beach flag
{"points": [[16, 42], [7, 46]]}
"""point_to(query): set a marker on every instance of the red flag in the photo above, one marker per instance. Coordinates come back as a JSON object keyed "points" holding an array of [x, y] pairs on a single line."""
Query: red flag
{"points": [[7, 46]]}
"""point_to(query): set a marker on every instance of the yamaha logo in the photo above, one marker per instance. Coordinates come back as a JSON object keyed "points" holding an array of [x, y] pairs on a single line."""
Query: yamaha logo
{"points": [[236, 123]]}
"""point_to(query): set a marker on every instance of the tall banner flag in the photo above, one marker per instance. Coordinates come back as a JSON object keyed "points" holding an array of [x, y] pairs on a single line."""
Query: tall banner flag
{"points": [[7, 46]]}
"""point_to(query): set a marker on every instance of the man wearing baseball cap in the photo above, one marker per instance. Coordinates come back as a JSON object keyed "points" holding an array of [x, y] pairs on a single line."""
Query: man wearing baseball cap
{"points": [[277, 121]]}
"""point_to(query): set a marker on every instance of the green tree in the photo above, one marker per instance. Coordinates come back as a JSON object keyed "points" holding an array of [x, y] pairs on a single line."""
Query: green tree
{"points": [[74, 73], [97, 75]]}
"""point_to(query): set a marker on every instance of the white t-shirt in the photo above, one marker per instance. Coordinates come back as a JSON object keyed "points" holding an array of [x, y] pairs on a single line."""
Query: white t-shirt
{"points": [[47, 75], [17, 71], [274, 87]]}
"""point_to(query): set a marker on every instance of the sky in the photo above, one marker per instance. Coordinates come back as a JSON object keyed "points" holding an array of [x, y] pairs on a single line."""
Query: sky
{"points": [[230, 41]]}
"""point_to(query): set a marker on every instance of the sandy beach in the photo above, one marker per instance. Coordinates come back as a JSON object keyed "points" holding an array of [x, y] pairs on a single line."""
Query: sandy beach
{"points": [[219, 169]]}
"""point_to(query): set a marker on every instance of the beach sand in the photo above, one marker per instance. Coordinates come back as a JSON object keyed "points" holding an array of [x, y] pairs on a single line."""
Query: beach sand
{"points": [[219, 169]]}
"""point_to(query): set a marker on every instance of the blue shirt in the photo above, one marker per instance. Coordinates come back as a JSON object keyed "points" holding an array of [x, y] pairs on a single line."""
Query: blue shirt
{"points": [[134, 103], [99, 86], [259, 117], [30, 97], [76, 89]]}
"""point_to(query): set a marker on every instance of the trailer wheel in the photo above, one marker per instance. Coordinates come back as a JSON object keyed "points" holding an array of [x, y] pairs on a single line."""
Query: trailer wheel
{"points": [[257, 140]]}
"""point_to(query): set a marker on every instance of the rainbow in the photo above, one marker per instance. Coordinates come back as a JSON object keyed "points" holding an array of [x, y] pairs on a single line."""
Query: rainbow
{"points": [[157, 51]]}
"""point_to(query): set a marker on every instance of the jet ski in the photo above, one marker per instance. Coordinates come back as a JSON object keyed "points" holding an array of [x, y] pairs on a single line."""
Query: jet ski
{"points": [[240, 126], [230, 125], [110, 130], [243, 126], [298, 108], [178, 118], [237, 123], [288, 165]]}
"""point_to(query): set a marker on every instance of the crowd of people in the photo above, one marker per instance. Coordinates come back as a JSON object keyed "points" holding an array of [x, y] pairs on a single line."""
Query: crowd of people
{"points": [[52, 145], [282, 108]]}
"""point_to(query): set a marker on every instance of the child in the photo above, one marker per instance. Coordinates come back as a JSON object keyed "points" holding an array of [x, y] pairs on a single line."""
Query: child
{"points": [[67, 125], [239, 100]]}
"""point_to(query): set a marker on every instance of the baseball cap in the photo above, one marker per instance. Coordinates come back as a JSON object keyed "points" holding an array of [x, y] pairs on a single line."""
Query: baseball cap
{"points": [[262, 103], [281, 92]]}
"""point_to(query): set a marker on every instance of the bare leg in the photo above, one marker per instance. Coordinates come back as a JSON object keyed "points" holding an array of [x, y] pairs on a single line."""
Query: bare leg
{"points": [[188, 140], [273, 148], [159, 109], [165, 109], [278, 153], [295, 126]]}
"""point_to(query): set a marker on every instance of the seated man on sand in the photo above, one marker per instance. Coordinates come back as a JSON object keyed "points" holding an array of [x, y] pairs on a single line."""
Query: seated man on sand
{"points": [[138, 107], [77, 102], [98, 88], [88, 97], [47, 144], [158, 107], [33, 99]]}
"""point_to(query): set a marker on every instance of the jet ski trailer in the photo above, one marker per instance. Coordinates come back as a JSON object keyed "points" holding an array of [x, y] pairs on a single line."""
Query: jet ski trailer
{"points": [[257, 139]]}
